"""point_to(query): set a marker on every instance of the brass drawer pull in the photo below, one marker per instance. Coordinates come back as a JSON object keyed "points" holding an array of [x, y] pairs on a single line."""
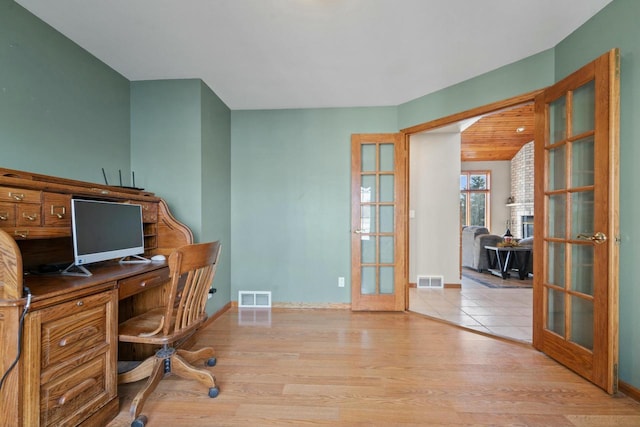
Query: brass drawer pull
{"points": [[30, 217], [21, 233], [76, 391], [17, 196], [4, 216], [151, 280], [78, 336], [80, 303], [58, 211]]}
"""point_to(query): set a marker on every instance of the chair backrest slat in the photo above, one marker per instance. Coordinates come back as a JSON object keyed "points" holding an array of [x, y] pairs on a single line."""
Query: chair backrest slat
{"points": [[192, 271]]}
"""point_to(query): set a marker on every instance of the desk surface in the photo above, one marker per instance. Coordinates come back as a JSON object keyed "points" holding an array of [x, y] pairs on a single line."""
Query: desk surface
{"points": [[45, 287], [508, 248]]}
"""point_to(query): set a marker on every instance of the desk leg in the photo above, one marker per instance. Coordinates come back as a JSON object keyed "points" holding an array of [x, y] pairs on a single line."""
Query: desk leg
{"points": [[524, 262], [490, 258], [504, 263]]}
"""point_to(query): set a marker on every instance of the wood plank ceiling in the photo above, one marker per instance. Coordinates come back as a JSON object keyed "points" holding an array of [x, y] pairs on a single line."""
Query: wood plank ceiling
{"points": [[498, 136]]}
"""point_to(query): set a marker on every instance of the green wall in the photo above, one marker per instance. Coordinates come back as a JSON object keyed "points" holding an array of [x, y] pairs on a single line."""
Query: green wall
{"points": [[290, 203], [62, 111], [617, 26], [216, 188], [166, 137], [180, 150], [526, 75]]}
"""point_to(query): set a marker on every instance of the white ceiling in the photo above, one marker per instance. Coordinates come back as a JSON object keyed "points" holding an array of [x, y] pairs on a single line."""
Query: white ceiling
{"points": [[271, 54]]}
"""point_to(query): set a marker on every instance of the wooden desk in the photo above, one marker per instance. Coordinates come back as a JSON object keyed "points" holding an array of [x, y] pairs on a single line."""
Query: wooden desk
{"points": [[67, 372], [72, 329]]}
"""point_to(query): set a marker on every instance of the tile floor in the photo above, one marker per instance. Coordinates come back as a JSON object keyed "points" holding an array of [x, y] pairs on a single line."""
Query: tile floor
{"points": [[503, 312]]}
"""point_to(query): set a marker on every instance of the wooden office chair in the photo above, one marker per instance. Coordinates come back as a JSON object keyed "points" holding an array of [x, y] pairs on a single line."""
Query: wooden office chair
{"points": [[192, 268]]}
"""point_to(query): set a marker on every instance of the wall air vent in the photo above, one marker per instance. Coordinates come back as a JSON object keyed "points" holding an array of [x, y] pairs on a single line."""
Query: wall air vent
{"points": [[430, 282], [254, 299]]}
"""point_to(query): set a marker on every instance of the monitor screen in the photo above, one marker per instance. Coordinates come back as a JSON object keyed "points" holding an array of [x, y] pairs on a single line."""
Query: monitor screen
{"points": [[105, 230]]}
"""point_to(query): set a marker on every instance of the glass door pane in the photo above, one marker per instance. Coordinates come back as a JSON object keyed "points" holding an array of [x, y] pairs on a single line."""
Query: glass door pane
{"points": [[555, 313], [584, 107], [557, 120], [582, 162], [386, 157], [582, 322], [582, 268], [557, 166]]}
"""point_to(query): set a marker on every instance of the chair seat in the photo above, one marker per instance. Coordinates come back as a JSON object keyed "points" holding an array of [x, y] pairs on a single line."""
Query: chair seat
{"points": [[150, 321]]}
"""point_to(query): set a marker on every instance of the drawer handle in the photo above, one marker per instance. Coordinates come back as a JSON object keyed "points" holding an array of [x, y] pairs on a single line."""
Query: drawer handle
{"points": [[58, 211], [4, 216], [21, 233], [82, 334], [76, 391], [80, 303], [30, 217], [150, 281], [17, 196]]}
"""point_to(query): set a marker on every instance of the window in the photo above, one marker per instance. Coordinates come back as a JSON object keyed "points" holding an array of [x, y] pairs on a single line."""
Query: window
{"points": [[474, 197]]}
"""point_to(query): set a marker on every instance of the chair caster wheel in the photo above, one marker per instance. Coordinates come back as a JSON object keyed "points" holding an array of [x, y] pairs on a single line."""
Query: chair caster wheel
{"points": [[141, 421], [213, 392], [211, 361]]}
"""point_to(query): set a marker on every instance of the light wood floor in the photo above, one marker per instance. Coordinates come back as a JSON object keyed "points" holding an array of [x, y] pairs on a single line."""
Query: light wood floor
{"points": [[309, 367]]}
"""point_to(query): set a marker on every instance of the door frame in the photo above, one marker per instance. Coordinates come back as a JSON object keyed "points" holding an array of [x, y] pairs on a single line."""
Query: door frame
{"points": [[528, 97]]}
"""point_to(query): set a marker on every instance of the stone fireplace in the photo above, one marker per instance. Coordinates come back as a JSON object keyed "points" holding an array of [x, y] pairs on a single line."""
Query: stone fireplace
{"points": [[521, 200]]}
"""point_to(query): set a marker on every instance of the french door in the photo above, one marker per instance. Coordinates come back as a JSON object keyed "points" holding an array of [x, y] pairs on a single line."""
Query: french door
{"points": [[378, 200], [575, 305]]}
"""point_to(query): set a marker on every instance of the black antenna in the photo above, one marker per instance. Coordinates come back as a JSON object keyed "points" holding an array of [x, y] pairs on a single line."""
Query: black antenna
{"points": [[133, 179], [105, 177], [120, 173]]}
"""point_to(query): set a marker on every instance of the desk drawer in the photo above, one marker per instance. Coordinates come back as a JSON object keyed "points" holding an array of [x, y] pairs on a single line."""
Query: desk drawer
{"points": [[19, 195], [7, 214], [73, 397], [56, 210], [73, 331], [28, 215], [142, 282]]}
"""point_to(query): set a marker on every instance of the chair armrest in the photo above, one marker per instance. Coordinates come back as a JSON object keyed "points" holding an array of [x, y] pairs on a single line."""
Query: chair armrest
{"points": [[481, 253]]}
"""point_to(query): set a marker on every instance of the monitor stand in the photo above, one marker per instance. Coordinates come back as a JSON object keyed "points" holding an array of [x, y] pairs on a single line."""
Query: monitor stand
{"points": [[134, 259], [69, 271]]}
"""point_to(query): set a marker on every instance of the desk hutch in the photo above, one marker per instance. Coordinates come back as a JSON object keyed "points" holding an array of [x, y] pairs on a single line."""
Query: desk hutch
{"points": [[67, 370]]}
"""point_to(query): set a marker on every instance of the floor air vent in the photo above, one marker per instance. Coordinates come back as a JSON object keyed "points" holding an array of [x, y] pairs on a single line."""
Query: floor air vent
{"points": [[430, 282], [254, 299]]}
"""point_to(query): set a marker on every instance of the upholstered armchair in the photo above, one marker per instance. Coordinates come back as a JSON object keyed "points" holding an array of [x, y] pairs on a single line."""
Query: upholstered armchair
{"points": [[474, 240]]}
